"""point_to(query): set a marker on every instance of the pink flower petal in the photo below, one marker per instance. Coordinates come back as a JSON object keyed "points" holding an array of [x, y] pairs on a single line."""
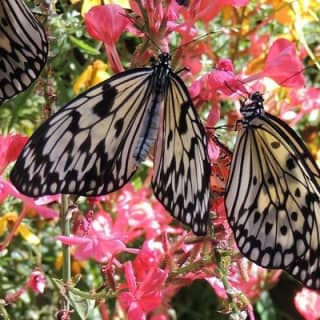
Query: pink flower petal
{"points": [[283, 65], [307, 303], [10, 148], [106, 22]]}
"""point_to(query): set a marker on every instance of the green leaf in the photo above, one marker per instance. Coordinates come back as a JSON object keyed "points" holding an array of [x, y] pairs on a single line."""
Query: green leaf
{"points": [[84, 46], [83, 306]]}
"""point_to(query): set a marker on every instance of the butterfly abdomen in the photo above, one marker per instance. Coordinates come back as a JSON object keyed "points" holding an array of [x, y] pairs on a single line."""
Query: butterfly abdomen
{"points": [[152, 119]]}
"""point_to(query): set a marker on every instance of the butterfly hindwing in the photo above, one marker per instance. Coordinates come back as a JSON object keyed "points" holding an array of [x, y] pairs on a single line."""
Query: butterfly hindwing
{"points": [[182, 167], [23, 48], [273, 198], [88, 146]]}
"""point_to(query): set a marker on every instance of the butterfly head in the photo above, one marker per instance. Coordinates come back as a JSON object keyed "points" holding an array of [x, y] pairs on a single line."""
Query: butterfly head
{"points": [[252, 107], [164, 58]]}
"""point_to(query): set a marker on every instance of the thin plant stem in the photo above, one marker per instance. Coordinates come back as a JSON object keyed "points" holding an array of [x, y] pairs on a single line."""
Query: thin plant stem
{"points": [[66, 256]]}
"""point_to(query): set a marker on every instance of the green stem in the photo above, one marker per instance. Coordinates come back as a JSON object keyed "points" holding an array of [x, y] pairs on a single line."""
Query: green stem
{"points": [[66, 256]]}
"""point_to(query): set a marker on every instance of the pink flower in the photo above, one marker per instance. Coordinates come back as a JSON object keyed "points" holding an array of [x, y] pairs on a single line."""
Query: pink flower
{"points": [[301, 102], [143, 296], [307, 303], [148, 257], [7, 189], [282, 65], [221, 79], [106, 23], [37, 281], [206, 10], [138, 213], [100, 241], [10, 148]]}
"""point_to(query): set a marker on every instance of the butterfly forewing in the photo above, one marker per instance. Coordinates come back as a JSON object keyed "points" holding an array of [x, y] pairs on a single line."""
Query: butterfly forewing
{"points": [[23, 48], [272, 199], [182, 166], [87, 147]]}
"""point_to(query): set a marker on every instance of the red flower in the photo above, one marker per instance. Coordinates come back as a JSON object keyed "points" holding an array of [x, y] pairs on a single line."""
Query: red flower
{"points": [[106, 23], [144, 296], [307, 303], [10, 148]]}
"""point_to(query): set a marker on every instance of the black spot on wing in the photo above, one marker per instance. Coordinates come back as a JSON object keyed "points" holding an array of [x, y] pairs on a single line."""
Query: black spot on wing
{"points": [[102, 109], [182, 127]]}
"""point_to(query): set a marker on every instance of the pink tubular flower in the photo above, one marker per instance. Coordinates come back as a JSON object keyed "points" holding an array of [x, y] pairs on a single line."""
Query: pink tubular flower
{"points": [[282, 65], [10, 147], [106, 23], [7, 189], [206, 10], [307, 303], [100, 241], [37, 281], [144, 296]]}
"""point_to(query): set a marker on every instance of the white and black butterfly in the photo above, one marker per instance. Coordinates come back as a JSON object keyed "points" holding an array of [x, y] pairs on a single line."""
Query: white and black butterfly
{"points": [[273, 196], [23, 48], [93, 145]]}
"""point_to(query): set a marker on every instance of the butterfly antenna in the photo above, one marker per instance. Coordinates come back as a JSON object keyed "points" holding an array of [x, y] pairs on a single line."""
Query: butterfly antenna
{"points": [[196, 39], [295, 74], [235, 91]]}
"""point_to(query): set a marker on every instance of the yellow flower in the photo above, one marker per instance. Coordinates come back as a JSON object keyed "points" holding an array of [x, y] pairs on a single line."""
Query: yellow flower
{"points": [[289, 12], [92, 75], [122, 3], [256, 64], [9, 219], [76, 266], [88, 4]]}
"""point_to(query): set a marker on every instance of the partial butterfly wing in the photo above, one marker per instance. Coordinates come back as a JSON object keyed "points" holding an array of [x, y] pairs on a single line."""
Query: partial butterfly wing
{"points": [[273, 199], [182, 166], [89, 146], [23, 48]]}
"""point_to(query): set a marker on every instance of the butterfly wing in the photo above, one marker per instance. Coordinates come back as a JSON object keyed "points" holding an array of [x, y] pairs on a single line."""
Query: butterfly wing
{"points": [[89, 146], [182, 167], [23, 48], [273, 199]]}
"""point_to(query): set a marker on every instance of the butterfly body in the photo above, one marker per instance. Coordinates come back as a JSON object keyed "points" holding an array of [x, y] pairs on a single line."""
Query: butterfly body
{"points": [[273, 196], [23, 48], [93, 145]]}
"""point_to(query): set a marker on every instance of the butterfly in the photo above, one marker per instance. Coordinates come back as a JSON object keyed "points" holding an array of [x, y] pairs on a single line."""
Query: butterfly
{"points": [[94, 144], [23, 48], [272, 196]]}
